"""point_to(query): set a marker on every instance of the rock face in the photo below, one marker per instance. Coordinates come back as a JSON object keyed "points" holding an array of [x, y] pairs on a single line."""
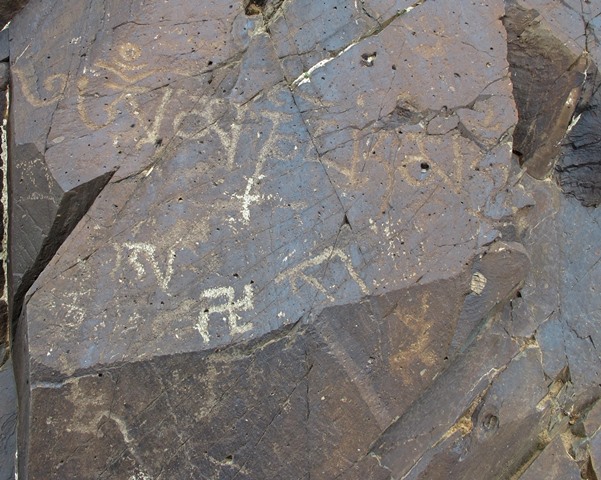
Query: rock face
{"points": [[270, 239], [579, 171], [544, 65]]}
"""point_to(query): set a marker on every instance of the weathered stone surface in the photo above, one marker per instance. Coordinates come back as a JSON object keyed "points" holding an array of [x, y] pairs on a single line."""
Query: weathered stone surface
{"points": [[554, 463], [364, 242], [495, 279], [406, 447], [4, 47], [547, 71], [8, 420], [289, 240], [579, 170], [42, 217], [8, 8], [267, 409], [498, 424], [329, 206], [8, 402]]}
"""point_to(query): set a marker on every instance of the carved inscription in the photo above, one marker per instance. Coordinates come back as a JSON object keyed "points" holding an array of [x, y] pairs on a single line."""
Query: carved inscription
{"points": [[140, 253], [416, 350], [301, 272], [223, 305], [124, 78], [53, 86], [124, 84]]}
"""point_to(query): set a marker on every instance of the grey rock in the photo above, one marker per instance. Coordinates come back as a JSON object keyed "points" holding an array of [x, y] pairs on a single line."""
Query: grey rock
{"points": [[547, 76], [290, 240], [8, 420], [553, 463], [579, 169], [4, 45]]}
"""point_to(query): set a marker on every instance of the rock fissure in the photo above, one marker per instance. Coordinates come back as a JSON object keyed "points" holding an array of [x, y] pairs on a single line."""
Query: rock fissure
{"points": [[311, 238]]}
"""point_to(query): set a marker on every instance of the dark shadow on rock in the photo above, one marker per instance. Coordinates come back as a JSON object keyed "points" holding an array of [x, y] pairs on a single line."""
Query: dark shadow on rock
{"points": [[43, 217], [579, 168], [9, 8], [547, 81]]}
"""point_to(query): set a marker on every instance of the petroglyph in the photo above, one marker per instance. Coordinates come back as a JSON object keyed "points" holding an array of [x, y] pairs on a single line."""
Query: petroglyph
{"points": [[419, 168], [106, 416], [210, 111], [124, 66], [359, 156], [298, 273], [54, 84], [230, 307], [248, 198], [152, 132], [270, 149], [123, 77], [138, 252], [72, 313], [418, 343]]}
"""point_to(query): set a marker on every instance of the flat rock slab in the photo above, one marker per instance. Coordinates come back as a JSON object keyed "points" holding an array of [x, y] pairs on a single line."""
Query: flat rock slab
{"points": [[243, 242]]}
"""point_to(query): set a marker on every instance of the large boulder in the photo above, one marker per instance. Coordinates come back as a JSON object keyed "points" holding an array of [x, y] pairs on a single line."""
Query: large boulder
{"points": [[266, 239]]}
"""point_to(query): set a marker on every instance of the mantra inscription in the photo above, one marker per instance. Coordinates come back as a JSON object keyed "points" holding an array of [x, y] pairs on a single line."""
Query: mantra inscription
{"points": [[139, 106]]}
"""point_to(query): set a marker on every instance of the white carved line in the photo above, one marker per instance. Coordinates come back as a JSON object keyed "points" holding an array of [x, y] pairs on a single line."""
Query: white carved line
{"points": [[149, 252], [230, 307]]}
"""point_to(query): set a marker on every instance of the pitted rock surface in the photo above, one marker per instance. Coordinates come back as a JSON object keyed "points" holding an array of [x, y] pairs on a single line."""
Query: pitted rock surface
{"points": [[291, 239], [318, 192], [254, 187]]}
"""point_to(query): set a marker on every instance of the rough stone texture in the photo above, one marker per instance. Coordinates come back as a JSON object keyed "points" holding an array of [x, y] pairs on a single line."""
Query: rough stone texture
{"points": [[544, 65], [8, 403], [8, 9], [4, 322], [4, 47], [554, 463], [8, 420], [579, 171], [290, 240]]}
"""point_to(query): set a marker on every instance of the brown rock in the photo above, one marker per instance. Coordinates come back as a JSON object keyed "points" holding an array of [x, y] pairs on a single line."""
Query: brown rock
{"points": [[553, 463], [288, 240], [547, 75]]}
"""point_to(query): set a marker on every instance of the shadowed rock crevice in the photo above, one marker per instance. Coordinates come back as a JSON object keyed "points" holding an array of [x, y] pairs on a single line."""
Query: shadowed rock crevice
{"points": [[318, 258], [9, 8], [547, 76], [47, 213], [579, 168]]}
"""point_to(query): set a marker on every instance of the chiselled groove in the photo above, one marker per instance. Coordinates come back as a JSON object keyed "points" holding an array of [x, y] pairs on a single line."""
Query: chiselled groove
{"points": [[302, 267]]}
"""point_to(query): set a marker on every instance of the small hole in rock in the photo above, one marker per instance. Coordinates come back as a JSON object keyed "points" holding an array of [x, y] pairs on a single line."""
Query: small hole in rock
{"points": [[490, 422], [367, 59], [254, 7]]}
